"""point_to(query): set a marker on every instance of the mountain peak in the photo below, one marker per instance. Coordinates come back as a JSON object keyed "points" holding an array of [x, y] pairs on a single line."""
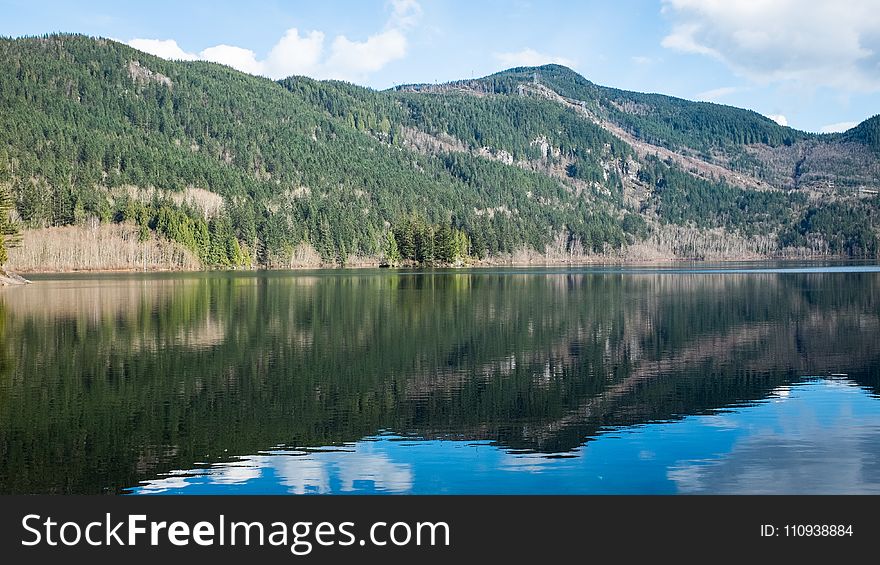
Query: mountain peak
{"points": [[551, 67], [866, 133], [552, 72]]}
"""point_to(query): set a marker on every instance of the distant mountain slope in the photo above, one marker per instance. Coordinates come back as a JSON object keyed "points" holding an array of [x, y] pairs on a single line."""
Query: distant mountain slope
{"points": [[732, 137], [527, 164], [656, 118], [867, 133]]}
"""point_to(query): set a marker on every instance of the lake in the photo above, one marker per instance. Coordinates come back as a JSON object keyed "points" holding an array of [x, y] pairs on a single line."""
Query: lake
{"points": [[691, 379]]}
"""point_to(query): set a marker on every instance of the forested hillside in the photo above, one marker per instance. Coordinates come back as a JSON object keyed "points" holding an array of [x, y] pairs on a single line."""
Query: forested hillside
{"points": [[532, 164]]}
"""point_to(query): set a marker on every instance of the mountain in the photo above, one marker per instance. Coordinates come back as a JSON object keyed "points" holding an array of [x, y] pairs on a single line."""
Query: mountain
{"points": [[866, 133], [196, 163]]}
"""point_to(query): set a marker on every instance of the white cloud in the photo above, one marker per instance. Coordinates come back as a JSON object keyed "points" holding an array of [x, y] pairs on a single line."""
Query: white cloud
{"points": [[164, 484], [236, 57], [816, 43], [305, 54], [377, 468], [838, 127], [524, 462], [682, 39], [236, 472], [779, 119], [302, 475], [405, 14], [797, 450], [531, 58], [351, 58], [716, 93], [295, 55], [165, 48]]}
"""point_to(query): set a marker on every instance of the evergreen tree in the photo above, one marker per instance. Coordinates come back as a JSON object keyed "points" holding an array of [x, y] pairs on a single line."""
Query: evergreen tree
{"points": [[425, 248], [9, 234], [391, 251], [461, 245], [445, 244], [404, 236]]}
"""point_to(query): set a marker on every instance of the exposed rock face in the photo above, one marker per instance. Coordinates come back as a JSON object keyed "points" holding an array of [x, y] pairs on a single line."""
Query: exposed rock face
{"points": [[496, 154], [142, 75], [429, 144]]}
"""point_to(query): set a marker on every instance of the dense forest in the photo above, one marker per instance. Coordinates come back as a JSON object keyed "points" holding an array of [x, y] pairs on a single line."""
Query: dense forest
{"points": [[658, 119], [867, 133], [245, 171]]}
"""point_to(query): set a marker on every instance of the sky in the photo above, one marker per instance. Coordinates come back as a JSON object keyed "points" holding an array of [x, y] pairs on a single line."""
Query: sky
{"points": [[810, 64]]}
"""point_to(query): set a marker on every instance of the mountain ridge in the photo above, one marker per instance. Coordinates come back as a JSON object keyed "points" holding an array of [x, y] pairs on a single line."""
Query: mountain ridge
{"points": [[504, 168], [527, 71]]}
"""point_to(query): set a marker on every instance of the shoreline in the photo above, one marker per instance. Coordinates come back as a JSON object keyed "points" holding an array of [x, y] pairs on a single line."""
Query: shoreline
{"points": [[117, 248], [475, 265], [8, 278]]}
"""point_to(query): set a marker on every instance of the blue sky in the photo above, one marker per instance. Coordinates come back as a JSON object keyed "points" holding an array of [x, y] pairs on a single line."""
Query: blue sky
{"points": [[813, 65]]}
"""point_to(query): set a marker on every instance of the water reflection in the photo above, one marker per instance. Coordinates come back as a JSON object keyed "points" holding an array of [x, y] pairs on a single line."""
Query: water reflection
{"points": [[821, 436], [484, 381], [360, 467]]}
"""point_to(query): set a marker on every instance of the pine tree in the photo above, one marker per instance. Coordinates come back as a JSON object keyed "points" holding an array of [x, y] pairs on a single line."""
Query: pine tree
{"points": [[404, 236], [479, 243], [9, 235], [392, 253], [425, 249], [461, 245], [445, 244]]}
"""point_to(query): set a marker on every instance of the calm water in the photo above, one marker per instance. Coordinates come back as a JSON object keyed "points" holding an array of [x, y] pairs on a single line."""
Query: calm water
{"points": [[713, 380]]}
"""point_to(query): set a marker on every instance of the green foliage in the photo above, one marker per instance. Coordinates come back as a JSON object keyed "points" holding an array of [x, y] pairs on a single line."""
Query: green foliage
{"points": [[635, 225], [845, 228], [415, 240], [689, 200], [302, 161], [213, 241], [9, 234], [511, 124], [867, 133], [391, 251], [655, 118], [673, 122]]}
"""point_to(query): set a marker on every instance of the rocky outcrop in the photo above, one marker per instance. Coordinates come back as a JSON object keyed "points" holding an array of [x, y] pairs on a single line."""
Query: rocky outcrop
{"points": [[143, 75], [8, 278]]}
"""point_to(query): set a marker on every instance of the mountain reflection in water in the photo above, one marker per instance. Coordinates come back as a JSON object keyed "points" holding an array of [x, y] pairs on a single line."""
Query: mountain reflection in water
{"points": [[513, 381]]}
